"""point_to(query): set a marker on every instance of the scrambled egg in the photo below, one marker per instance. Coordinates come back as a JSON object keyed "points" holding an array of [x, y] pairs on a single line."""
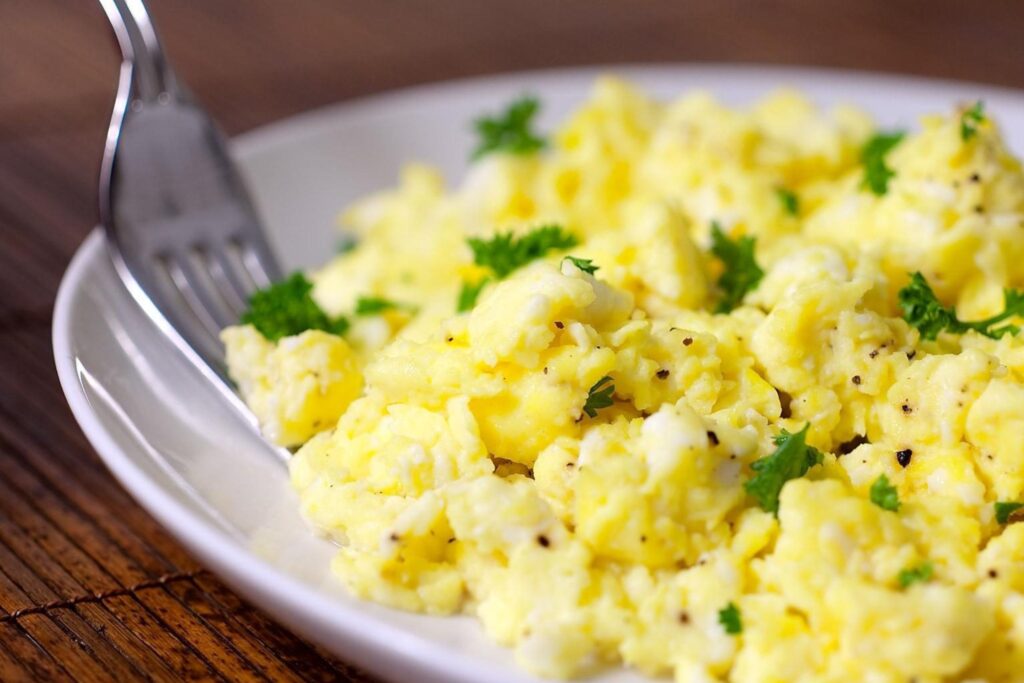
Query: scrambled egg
{"points": [[451, 456]]}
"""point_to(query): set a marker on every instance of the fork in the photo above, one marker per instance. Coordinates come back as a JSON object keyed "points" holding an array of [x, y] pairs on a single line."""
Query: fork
{"points": [[182, 231]]}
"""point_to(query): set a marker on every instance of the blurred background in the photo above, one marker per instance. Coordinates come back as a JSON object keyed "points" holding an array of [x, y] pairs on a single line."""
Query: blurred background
{"points": [[255, 61], [90, 587]]}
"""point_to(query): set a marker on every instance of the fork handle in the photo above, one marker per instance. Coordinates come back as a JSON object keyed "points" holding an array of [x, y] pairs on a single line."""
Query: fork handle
{"points": [[140, 47]]}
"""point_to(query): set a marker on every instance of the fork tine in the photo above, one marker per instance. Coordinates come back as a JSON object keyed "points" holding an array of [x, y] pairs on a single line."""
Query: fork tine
{"points": [[207, 304], [257, 264], [233, 285], [180, 224]]}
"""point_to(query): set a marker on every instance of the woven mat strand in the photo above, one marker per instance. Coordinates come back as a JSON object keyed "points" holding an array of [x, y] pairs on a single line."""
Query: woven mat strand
{"points": [[90, 587]]}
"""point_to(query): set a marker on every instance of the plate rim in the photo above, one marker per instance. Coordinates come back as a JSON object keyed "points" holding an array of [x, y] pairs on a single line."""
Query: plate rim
{"points": [[253, 140], [301, 607]]}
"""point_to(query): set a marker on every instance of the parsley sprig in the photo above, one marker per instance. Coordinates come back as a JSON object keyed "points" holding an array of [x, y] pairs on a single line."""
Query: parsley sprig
{"points": [[790, 460], [876, 172], [923, 310], [469, 293], [790, 202], [599, 396], [741, 274], [884, 495], [1005, 510], [919, 574], [584, 264], [505, 253], [345, 244], [730, 619], [509, 131], [287, 308], [971, 119], [375, 305]]}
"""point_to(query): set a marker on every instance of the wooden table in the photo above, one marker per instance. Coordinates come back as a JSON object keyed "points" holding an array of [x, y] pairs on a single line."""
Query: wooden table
{"points": [[90, 587]]}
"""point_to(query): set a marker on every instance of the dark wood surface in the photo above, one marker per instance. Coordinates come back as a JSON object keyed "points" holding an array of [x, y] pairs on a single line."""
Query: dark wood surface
{"points": [[90, 587]]}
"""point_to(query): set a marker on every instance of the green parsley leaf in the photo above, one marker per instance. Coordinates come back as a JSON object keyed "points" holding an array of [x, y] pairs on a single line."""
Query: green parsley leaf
{"points": [[923, 310], [921, 573], [287, 308], [884, 494], [872, 156], [469, 293], [599, 396], [372, 305], [345, 244], [730, 619], [584, 264], [791, 460], [509, 131], [971, 119], [790, 202], [1005, 510], [741, 274], [505, 253]]}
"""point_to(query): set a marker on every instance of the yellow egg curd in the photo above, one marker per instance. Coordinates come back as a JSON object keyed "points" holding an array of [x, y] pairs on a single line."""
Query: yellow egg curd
{"points": [[570, 458]]}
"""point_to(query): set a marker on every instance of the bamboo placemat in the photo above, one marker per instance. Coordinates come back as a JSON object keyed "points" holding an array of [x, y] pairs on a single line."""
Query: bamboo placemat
{"points": [[91, 588]]}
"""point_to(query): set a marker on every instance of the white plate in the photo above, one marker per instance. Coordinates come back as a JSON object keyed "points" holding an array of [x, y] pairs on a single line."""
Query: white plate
{"points": [[194, 464]]}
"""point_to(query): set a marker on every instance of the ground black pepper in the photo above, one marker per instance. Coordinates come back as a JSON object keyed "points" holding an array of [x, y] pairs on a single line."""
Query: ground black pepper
{"points": [[903, 457]]}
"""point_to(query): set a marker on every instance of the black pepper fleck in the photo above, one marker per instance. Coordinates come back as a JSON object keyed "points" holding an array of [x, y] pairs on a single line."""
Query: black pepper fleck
{"points": [[855, 379], [662, 374], [911, 354], [450, 339], [687, 341], [992, 574], [545, 369], [559, 324], [643, 538], [903, 457], [906, 408], [393, 537], [853, 444], [975, 178], [979, 209], [684, 618], [785, 404], [543, 541], [713, 438], [874, 354]]}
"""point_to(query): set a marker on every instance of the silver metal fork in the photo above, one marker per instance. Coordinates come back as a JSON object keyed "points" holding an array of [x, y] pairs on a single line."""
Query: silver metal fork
{"points": [[183, 233]]}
